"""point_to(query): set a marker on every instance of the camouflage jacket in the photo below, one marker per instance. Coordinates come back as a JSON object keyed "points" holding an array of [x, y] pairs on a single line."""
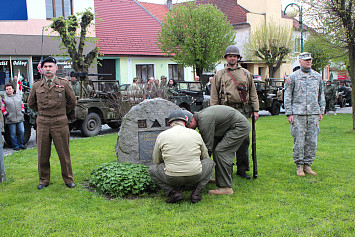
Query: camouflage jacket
{"points": [[330, 92], [304, 94]]}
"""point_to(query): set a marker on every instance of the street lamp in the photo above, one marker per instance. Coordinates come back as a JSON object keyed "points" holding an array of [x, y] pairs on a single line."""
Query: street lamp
{"points": [[292, 12]]}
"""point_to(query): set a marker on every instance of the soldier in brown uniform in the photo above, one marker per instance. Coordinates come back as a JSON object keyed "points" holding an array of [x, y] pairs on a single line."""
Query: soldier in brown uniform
{"points": [[52, 98], [233, 86]]}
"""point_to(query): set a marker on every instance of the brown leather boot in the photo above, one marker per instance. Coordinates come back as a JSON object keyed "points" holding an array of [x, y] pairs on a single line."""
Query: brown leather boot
{"points": [[174, 196], [196, 196], [300, 171], [308, 170], [221, 191]]}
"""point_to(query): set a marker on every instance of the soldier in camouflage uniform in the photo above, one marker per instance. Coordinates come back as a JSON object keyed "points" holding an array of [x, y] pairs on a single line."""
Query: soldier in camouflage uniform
{"points": [[304, 107], [234, 86], [330, 96]]}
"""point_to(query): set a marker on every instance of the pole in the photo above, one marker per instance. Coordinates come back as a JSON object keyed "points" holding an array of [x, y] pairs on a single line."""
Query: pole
{"points": [[253, 146], [300, 21], [301, 28], [2, 166]]}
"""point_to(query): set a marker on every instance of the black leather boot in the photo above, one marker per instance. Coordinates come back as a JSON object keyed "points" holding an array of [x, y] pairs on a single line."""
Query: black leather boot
{"points": [[174, 196], [196, 196], [243, 175]]}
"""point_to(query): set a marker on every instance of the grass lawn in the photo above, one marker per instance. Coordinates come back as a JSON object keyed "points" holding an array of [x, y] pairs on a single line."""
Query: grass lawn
{"points": [[277, 203]]}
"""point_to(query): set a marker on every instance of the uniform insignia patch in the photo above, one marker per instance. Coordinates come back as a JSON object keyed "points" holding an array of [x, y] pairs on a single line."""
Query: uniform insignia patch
{"points": [[59, 86], [288, 80]]}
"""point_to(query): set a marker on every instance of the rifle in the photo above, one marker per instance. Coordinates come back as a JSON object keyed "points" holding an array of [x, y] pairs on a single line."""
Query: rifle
{"points": [[253, 146]]}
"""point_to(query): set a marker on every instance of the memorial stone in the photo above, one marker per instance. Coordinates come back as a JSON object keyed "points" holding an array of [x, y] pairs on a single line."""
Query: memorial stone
{"points": [[140, 128]]}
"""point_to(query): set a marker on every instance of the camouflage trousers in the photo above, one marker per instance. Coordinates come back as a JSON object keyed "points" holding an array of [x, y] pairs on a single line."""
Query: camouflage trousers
{"points": [[329, 104], [305, 130]]}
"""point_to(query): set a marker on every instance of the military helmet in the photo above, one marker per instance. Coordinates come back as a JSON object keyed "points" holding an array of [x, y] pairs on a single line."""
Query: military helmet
{"points": [[177, 115], [232, 50], [189, 115]]}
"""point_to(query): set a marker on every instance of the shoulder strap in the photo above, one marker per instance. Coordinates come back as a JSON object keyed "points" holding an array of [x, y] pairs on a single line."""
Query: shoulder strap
{"points": [[230, 74]]}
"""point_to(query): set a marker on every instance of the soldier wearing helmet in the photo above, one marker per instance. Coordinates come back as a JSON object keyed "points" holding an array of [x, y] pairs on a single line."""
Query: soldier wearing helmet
{"points": [[233, 86], [180, 157]]}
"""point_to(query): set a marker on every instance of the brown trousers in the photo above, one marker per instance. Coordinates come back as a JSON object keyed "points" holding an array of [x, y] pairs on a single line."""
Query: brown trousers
{"points": [[56, 129]]}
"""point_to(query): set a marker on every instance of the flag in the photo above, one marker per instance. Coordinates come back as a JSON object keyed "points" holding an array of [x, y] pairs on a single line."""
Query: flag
{"points": [[19, 84], [39, 67]]}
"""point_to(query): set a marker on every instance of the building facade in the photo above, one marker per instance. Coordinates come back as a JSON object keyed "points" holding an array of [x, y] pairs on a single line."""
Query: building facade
{"points": [[25, 42]]}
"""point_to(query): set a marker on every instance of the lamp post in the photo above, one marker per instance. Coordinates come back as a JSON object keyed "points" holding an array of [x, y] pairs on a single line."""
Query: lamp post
{"points": [[293, 13]]}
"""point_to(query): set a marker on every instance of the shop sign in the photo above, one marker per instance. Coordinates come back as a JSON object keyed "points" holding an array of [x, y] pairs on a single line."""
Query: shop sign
{"points": [[65, 64], [342, 75], [19, 63], [3, 63]]}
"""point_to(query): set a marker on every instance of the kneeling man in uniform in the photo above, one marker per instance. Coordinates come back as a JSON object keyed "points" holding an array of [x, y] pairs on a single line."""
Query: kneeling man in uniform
{"points": [[180, 157]]}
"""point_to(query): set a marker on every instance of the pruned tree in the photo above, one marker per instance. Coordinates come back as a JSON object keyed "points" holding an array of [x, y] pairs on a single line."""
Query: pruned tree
{"points": [[271, 43], [335, 19], [67, 29], [320, 54], [196, 35]]}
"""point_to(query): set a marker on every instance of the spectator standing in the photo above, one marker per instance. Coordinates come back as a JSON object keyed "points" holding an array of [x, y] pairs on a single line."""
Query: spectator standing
{"points": [[13, 110], [208, 86], [304, 107], [75, 85], [330, 97]]}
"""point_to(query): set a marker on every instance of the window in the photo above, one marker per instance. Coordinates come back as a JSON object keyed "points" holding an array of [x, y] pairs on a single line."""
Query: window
{"points": [[144, 71], [297, 45], [55, 8], [176, 72]]}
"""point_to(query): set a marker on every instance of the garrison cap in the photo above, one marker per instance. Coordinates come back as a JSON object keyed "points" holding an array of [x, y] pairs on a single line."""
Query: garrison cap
{"points": [[305, 56], [49, 60]]}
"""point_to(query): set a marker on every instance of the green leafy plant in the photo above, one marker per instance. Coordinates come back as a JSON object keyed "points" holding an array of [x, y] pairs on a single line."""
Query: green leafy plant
{"points": [[121, 179]]}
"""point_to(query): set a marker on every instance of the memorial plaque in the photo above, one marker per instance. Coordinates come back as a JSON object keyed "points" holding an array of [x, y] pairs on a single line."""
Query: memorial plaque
{"points": [[146, 142], [140, 128]]}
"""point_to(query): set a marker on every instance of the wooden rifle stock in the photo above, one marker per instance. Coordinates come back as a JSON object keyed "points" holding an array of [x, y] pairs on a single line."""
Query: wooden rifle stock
{"points": [[253, 146]]}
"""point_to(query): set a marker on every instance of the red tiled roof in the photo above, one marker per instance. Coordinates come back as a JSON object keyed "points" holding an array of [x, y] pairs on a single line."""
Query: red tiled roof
{"points": [[157, 10], [125, 28], [235, 13]]}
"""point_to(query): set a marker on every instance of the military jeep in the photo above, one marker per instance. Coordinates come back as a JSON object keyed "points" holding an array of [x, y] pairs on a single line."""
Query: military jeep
{"points": [[190, 95], [96, 109], [270, 93]]}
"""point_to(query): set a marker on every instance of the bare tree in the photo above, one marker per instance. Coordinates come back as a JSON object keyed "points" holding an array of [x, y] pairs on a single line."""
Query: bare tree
{"points": [[271, 43], [335, 19]]}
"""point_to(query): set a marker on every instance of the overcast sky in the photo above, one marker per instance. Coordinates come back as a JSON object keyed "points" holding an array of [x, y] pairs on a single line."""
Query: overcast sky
{"points": [[283, 2]]}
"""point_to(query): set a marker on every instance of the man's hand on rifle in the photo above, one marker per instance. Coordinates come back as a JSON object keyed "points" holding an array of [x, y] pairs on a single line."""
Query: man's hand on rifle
{"points": [[256, 115]]}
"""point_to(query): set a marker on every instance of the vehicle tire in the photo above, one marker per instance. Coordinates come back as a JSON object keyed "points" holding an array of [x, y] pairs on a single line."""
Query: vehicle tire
{"points": [[91, 125], [26, 136], [114, 125], [275, 109], [343, 103]]}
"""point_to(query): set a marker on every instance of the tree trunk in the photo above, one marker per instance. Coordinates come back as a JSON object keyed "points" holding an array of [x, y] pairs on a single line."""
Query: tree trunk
{"points": [[199, 71], [352, 77], [271, 71]]}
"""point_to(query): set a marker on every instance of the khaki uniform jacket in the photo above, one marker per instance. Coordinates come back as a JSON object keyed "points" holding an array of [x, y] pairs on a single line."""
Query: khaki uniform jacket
{"points": [[224, 91], [181, 149], [55, 101]]}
